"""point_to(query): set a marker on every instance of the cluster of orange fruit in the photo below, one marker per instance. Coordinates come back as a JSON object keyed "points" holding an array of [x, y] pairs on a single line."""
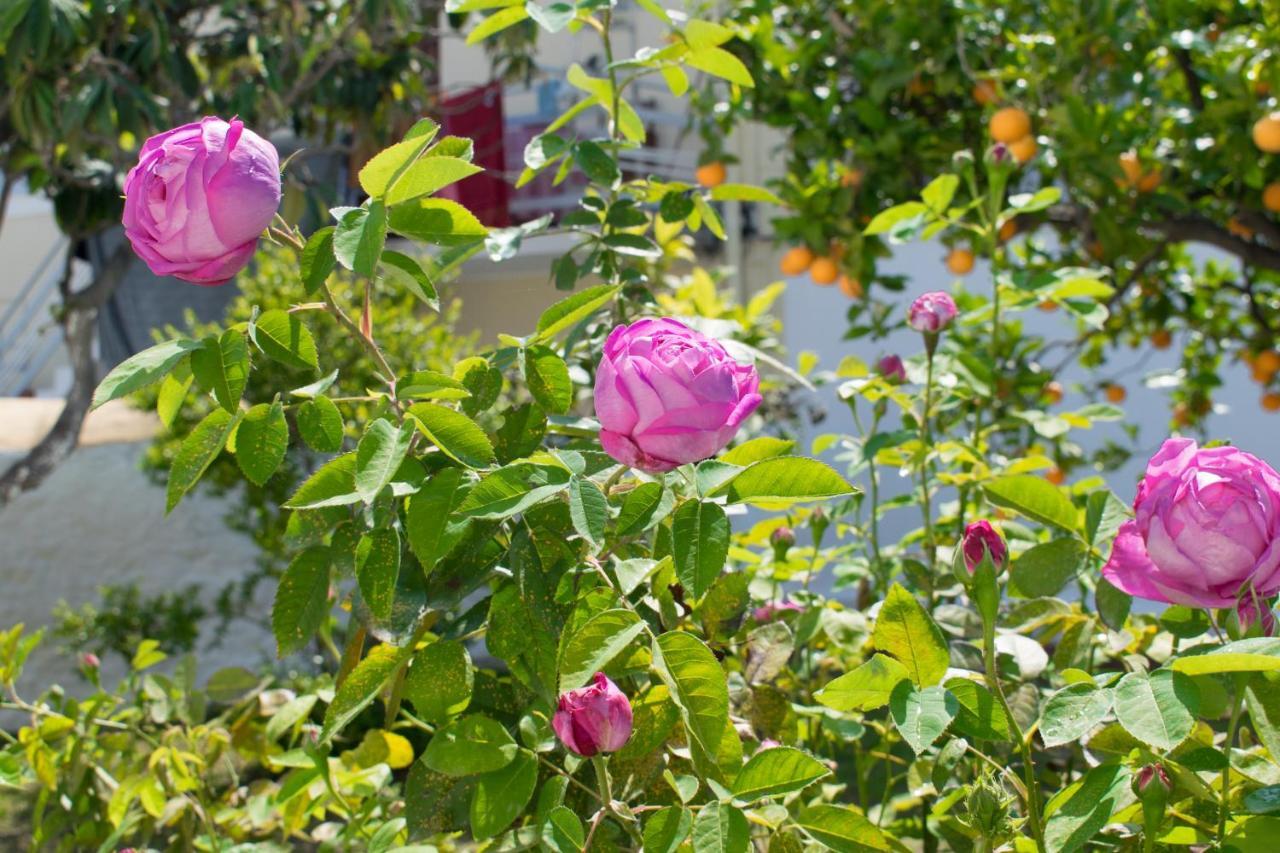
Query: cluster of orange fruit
{"points": [[1266, 135], [824, 270], [1264, 366], [1012, 126]]}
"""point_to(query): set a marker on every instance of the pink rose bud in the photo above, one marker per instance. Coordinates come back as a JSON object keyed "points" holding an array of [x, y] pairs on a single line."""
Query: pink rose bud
{"points": [[199, 198], [595, 718], [1255, 617], [1206, 528], [1152, 774], [667, 395], [782, 538], [980, 538], [999, 153], [772, 610], [932, 312], [90, 661], [892, 369]]}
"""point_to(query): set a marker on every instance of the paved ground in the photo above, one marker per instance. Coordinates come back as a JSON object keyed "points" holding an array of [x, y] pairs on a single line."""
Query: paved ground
{"points": [[99, 520]]}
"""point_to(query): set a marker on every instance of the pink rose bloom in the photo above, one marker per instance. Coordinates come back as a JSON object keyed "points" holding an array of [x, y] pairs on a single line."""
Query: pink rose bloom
{"points": [[981, 538], [199, 198], [1207, 528], [932, 312], [595, 718], [772, 610], [892, 368], [667, 395]]}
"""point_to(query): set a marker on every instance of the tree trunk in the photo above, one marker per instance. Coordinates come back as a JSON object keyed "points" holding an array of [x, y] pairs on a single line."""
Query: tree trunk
{"points": [[79, 321]]}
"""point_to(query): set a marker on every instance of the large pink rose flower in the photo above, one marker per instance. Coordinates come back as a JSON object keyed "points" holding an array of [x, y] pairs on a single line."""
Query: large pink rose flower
{"points": [[199, 198], [1207, 528], [595, 718], [667, 395]]}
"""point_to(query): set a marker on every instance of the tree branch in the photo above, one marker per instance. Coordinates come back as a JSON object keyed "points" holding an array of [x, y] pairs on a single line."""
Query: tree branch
{"points": [[1197, 229], [1194, 89], [79, 321]]}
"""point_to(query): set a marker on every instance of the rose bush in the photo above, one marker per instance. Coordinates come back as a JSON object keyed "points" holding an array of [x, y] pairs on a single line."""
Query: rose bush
{"points": [[486, 585]]}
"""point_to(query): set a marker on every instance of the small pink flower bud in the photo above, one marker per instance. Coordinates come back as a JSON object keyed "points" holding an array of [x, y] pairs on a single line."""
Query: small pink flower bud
{"points": [[593, 719], [892, 369], [1255, 617], [999, 153], [772, 610], [90, 661], [782, 539], [981, 538], [931, 312], [1152, 774]]}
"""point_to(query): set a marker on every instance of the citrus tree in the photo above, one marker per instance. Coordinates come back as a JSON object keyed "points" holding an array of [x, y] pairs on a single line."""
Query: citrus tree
{"points": [[1154, 119]]}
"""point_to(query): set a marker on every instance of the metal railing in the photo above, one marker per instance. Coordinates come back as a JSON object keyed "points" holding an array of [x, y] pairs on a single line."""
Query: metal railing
{"points": [[29, 336]]}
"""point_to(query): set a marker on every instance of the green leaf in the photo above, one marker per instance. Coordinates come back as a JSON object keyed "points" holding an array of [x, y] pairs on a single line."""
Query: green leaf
{"points": [[428, 515], [378, 456], [261, 441], [362, 686], [1073, 712], [572, 310], [588, 510], [377, 569], [632, 245], [428, 175], [772, 772], [497, 22], [1262, 698], [511, 490], [700, 690], [196, 453], [435, 220], [427, 384], [744, 192], [333, 484], [457, 436], [700, 532], [470, 745], [785, 480], [1113, 604], [1075, 814], [979, 716], [644, 507], [221, 366], [721, 828], [140, 370], [320, 424], [1030, 203], [1046, 568], [563, 831], [719, 62], [317, 259], [1158, 709], [302, 600], [666, 829], [173, 394], [408, 273], [360, 237], [938, 194], [548, 378], [501, 795], [386, 167], [906, 631], [841, 829], [1036, 498], [885, 220], [866, 688], [596, 163], [922, 715], [590, 648], [285, 338], [1256, 654], [440, 681], [763, 447]]}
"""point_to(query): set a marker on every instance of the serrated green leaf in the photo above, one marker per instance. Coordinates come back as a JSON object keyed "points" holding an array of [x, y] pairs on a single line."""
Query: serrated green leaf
{"points": [[196, 453], [592, 647], [905, 630], [261, 441], [302, 600], [286, 339], [140, 370]]}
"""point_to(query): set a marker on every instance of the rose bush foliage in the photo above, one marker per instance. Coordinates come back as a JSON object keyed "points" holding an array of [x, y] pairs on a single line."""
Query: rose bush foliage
{"points": [[526, 633]]}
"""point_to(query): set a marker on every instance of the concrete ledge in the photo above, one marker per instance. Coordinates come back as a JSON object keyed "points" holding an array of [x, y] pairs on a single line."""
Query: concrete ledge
{"points": [[24, 421]]}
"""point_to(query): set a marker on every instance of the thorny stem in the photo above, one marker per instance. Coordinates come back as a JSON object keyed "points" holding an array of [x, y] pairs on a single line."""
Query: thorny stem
{"points": [[926, 425], [1224, 810], [1031, 799]]}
